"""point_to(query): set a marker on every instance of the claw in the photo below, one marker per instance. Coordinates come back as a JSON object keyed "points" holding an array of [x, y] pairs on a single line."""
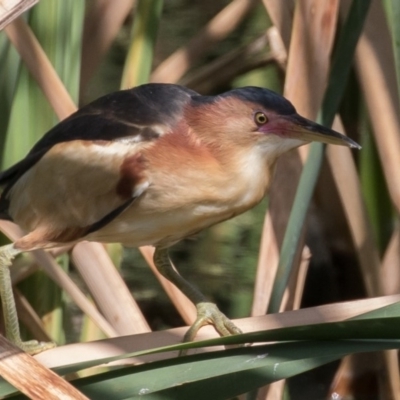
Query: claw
{"points": [[209, 314]]}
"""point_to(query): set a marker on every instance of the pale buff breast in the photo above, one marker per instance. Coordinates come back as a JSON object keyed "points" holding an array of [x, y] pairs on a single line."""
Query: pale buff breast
{"points": [[178, 205]]}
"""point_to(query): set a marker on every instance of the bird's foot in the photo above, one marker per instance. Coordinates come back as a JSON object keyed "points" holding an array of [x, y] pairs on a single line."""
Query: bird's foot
{"points": [[209, 314], [35, 347]]}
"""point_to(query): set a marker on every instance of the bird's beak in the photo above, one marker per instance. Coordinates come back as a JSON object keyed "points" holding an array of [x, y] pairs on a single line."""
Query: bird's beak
{"points": [[298, 127]]}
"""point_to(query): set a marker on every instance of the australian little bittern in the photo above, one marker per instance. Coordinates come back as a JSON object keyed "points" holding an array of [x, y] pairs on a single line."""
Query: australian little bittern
{"points": [[149, 166]]}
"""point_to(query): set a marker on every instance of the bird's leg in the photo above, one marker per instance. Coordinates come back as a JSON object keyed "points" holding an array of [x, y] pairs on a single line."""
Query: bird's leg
{"points": [[207, 313], [7, 254]]}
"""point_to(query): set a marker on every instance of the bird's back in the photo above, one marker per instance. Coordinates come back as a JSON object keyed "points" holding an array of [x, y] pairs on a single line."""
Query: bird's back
{"points": [[88, 168]]}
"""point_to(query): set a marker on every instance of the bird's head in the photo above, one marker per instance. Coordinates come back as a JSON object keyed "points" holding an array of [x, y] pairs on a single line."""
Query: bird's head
{"points": [[261, 118]]}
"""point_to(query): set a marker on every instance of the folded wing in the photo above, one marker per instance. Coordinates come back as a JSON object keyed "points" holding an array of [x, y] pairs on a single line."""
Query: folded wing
{"points": [[89, 168]]}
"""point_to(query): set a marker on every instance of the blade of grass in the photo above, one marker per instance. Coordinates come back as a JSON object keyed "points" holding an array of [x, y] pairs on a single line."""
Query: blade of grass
{"points": [[342, 61], [140, 54], [294, 228], [393, 16], [374, 187]]}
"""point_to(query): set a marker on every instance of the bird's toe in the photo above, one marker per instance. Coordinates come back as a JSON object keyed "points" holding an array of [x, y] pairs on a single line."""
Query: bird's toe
{"points": [[34, 347], [209, 314]]}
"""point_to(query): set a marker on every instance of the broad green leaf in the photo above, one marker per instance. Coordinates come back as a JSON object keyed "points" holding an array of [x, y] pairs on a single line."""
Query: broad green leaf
{"points": [[222, 374]]}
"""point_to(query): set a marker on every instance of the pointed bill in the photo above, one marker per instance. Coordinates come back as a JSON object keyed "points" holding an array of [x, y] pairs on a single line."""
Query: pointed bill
{"points": [[302, 128]]}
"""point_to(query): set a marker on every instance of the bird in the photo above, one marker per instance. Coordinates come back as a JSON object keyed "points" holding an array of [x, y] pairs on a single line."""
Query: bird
{"points": [[150, 165]]}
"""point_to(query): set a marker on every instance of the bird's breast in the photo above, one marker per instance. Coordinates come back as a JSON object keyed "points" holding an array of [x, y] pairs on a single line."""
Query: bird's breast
{"points": [[184, 199]]}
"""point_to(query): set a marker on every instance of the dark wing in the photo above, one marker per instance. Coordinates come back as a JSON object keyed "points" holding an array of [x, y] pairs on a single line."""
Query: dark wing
{"points": [[139, 114]]}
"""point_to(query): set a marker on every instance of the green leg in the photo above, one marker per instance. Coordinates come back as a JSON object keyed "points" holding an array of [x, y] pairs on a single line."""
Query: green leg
{"points": [[207, 313], [7, 254]]}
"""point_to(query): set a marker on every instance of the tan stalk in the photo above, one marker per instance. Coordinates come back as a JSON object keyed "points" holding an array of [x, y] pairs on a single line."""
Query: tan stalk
{"points": [[356, 376], [178, 63], [390, 272], [59, 276], [120, 309], [274, 391], [346, 178], [297, 282], [24, 40], [309, 42], [277, 46], [267, 266], [281, 14], [291, 301], [391, 359], [31, 378]]}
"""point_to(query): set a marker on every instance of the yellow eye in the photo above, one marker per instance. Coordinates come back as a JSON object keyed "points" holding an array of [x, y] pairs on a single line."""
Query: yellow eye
{"points": [[260, 118]]}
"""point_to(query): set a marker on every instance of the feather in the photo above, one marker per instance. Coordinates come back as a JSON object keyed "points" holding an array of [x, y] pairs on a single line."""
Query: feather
{"points": [[90, 162], [131, 116], [134, 115]]}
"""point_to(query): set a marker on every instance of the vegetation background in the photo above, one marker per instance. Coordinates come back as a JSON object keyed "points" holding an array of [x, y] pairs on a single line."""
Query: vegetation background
{"points": [[338, 61]]}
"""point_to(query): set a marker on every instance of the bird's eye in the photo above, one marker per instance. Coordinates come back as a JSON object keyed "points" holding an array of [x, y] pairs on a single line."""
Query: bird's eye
{"points": [[260, 118]]}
